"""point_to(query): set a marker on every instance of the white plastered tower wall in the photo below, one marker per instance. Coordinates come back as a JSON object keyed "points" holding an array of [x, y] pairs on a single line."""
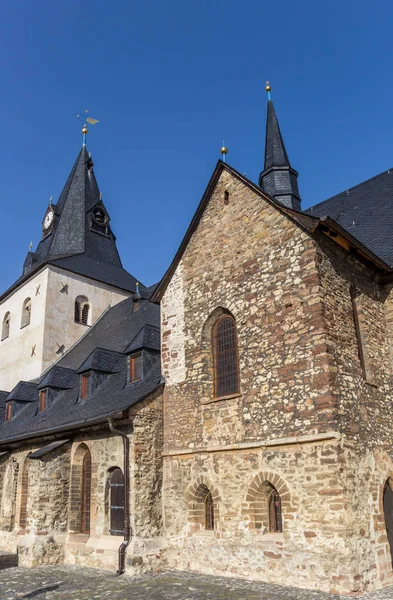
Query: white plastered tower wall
{"points": [[30, 350]]}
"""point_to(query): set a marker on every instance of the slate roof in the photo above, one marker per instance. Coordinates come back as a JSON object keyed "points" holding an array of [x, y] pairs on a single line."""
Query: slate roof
{"points": [[107, 339], [58, 377], [72, 244], [106, 361], [148, 337], [365, 211]]}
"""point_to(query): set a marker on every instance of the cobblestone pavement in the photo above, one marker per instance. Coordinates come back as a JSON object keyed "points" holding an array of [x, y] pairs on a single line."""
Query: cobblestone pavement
{"points": [[77, 583]]}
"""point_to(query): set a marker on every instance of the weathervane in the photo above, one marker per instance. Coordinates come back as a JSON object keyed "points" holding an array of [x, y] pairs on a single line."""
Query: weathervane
{"points": [[86, 120]]}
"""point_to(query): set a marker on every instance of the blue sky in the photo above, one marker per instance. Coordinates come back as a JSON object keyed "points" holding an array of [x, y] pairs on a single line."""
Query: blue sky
{"points": [[168, 81]]}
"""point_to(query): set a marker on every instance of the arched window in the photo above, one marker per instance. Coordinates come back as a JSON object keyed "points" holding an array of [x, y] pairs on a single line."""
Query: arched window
{"points": [[209, 511], [388, 513], [5, 332], [24, 494], [275, 516], [203, 508], [26, 313], [86, 493], [225, 357], [80, 490], [81, 310], [265, 502], [115, 501]]}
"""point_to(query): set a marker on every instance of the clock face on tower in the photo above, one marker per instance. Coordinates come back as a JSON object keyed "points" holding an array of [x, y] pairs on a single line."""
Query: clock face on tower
{"points": [[48, 220]]}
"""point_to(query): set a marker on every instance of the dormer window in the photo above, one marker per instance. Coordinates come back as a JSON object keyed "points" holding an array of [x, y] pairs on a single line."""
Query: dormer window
{"points": [[8, 411], [43, 400], [135, 372], [85, 385]]}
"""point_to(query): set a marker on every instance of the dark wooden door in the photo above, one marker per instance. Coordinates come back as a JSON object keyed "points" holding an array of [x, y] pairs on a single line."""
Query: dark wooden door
{"points": [[117, 502], [388, 512], [86, 493]]}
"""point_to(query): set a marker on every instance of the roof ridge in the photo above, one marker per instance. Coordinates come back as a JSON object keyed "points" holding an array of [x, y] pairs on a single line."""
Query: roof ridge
{"points": [[351, 188]]}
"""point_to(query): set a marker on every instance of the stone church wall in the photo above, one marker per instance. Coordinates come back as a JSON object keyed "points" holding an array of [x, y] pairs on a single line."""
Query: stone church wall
{"points": [[51, 503], [300, 378]]}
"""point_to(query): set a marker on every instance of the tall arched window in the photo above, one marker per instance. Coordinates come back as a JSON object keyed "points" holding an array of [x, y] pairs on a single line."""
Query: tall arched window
{"points": [[80, 490], [265, 503], [5, 332], [24, 494], [26, 313], [225, 357], [209, 511], [86, 493], [115, 491], [202, 508], [81, 310]]}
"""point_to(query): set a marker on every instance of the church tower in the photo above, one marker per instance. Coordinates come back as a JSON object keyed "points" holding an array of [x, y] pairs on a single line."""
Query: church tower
{"points": [[278, 179], [74, 274]]}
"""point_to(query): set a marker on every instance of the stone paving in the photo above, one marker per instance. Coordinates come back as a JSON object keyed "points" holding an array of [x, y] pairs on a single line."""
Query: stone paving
{"points": [[77, 583]]}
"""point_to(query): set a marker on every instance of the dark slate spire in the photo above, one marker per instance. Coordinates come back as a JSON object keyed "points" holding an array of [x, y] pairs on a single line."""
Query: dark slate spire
{"points": [[278, 179], [76, 233]]}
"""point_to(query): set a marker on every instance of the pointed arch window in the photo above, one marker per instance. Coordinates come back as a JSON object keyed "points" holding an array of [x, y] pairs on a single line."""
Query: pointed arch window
{"points": [[5, 331], [116, 501], [26, 313], [225, 357], [81, 310], [275, 515]]}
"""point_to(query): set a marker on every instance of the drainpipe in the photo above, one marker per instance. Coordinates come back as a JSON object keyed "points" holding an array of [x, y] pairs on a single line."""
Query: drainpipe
{"points": [[127, 527]]}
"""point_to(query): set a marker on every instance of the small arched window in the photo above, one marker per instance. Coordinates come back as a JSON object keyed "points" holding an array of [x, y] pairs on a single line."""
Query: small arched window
{"points": [[81, 310], [225, 357], [5, 332], [26, 313], [209, 511]]}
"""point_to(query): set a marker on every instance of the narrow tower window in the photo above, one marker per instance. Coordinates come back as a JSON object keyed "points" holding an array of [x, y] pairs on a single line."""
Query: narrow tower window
{"points": [[81, 310], [5, 332], [226, 197], [26, 313]]}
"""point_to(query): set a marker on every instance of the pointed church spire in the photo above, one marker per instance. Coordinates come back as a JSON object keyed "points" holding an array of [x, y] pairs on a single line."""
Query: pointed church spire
{"points": [[278, 179]]}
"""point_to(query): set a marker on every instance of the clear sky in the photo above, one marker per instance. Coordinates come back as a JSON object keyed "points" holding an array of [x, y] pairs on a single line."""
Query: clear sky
{"points": [[168, 81]]}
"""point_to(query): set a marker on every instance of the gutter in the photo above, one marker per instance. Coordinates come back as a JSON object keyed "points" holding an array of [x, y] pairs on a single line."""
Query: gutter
{"points": [[127, 529]]}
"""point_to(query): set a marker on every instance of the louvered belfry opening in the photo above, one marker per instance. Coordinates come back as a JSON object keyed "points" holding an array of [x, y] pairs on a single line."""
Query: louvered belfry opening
{"points": [[275, 515], [86, 493], [81, 310], [225, 351], [116, 485], [26, 313], [85, 314]]}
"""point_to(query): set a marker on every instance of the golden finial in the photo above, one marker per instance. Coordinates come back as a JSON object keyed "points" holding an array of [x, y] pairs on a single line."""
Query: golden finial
{"points": [[85, 130], [224, 150], [268, 88], [30, 246]]}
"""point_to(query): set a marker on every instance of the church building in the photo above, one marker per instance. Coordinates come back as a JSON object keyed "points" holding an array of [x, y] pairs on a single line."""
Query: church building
{"points": [[234, 419]]}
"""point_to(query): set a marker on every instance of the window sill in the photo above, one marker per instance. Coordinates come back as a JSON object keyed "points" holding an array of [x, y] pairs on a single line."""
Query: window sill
{"points": [[83, 324], [23, 326], [272, 537], [81, 538], [219, 399]]}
